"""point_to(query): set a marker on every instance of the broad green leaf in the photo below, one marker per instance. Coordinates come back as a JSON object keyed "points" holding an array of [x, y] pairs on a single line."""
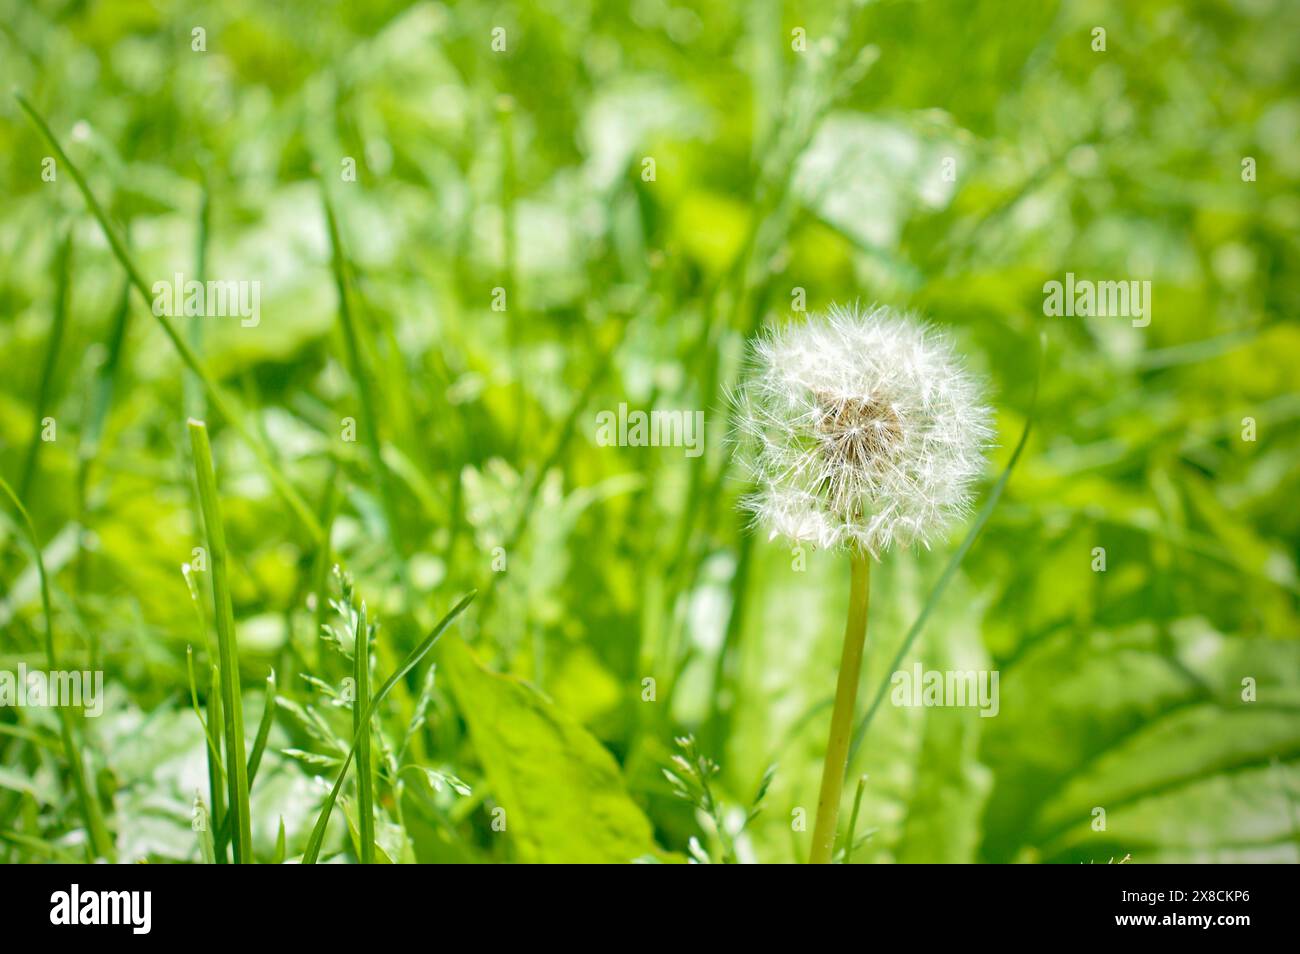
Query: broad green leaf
{"points": [[1155, 729], [1204, 784], [563, 794]]}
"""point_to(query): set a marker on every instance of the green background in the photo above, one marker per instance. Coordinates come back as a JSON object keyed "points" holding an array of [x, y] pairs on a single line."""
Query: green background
{"points": [[778, 172]]}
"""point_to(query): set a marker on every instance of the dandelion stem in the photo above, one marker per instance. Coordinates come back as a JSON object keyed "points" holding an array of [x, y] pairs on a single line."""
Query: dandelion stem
{"points": [[846, 695]]}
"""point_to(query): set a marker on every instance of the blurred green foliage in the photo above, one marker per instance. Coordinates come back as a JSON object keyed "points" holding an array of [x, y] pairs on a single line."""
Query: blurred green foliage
{"points": [[798, 149]]}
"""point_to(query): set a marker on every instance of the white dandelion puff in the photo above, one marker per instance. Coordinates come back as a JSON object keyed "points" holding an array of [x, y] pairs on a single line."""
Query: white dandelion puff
{"points": [[860, 430]]}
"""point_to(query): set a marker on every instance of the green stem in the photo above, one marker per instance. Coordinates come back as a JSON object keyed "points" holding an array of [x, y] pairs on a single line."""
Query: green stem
{"points": [[216, 772], [320, 570], [232, 710], [255, 757], [96, 410], [54, 342], [853, 820], [357, 366], [361, 730], [846, 696], [317, 838], [505, 108]]}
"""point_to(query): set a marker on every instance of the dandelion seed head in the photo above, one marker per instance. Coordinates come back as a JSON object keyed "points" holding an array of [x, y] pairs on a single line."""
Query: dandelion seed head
{"points": [[859, 428]]}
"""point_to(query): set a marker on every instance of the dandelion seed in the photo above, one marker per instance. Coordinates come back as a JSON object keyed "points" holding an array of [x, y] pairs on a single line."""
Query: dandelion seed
{"points": [[860, 429]]}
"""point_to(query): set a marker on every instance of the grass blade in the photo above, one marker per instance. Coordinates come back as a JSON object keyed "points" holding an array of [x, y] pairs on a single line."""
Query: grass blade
{"points": [[562, 437], [95, 413], [216, 771], [231, 703], [192, 388], [322, 562], [263, 729], [509, 193], [203, 831], [318, 832], [361, 730], [42, 739], [216, 775], [46, 386], [259, 749], [101, 843], [229, 410], [853, 820], [356, 364], [278, 857], [217, 780], [101, 393]]}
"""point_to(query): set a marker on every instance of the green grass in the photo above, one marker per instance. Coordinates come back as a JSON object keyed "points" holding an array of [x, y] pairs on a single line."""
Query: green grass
{"points": [[227, 671], [362, 733], [217, 780], [361, 378], [44, 388], [224, 405], [100, 841], [624, 601]]}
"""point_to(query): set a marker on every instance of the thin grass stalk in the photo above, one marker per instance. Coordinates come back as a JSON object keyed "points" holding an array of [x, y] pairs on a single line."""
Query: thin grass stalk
{"points": [[96, 412], [846, 695], [217, 773], [203, 831], [356, 364], [227, 651], [102, 390], [853, 820], [278, 857], [101, 843], [509, 190], [259, 749], [263, 730], [323, 561], [192, 386], [555, 452], [48, 742], [225, 406], [361, 730], [317, 839], [62, 268], [717, 726]]}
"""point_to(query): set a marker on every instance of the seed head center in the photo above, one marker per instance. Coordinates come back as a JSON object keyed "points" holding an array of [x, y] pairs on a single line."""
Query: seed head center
{"points": [[858, 432]]}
